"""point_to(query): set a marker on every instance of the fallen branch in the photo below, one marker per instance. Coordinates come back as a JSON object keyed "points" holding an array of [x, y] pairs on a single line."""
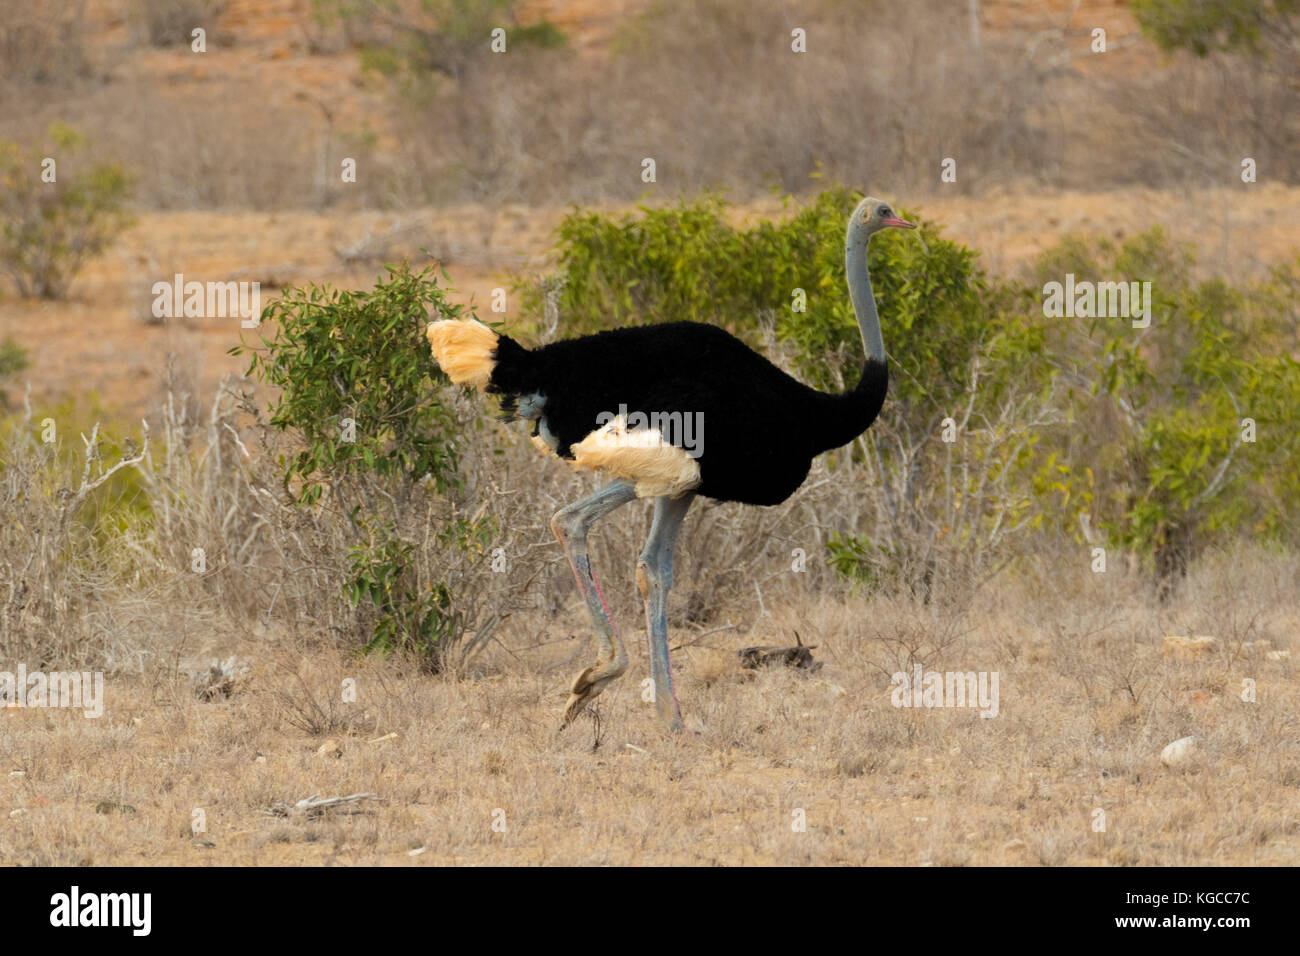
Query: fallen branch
{"points": [[799, 656], [315, 806]]}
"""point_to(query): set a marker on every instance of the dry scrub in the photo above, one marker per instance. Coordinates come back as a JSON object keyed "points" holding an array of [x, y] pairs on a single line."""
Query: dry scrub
{"points": [[710, 89], [1087, 702]]}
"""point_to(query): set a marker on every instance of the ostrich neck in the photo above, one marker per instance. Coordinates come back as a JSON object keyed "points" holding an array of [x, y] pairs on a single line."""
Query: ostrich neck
{"points": [[864, 302], [848, 415]]}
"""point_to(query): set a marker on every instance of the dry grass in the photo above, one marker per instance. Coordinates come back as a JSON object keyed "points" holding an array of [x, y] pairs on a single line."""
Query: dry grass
{"points": [[1087, 702], [1087, 699]]}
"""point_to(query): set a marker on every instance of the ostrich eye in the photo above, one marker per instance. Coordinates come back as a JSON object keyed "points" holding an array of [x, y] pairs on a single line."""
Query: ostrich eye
{"points": [[883, 212]]}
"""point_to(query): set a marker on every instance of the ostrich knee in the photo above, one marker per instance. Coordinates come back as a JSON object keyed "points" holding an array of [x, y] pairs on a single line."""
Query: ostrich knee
{"points": [[566, 524], [653, 572]]}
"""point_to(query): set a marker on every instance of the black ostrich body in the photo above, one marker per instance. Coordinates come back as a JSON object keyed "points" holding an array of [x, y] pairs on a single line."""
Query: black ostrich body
{"points": [[761, 427]]}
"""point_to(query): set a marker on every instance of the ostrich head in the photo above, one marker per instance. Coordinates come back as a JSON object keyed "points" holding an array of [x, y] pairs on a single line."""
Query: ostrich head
{"points": [[870, 217]]}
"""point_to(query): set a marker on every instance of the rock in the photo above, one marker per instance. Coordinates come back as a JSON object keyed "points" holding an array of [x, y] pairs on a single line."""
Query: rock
{"points": [[1278, 655], [1180, 753], [1179, 648]]}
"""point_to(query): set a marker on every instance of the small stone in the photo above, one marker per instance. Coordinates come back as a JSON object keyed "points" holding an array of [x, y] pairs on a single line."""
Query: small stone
{"points": [[1179, 753]]}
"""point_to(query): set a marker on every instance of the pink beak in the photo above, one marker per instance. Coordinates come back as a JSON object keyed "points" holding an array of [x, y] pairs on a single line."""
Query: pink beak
{"points": [[898, 223]]}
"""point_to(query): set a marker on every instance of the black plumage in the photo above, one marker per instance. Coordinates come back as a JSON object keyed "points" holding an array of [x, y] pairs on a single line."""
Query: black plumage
{"points": [[761, 427]]}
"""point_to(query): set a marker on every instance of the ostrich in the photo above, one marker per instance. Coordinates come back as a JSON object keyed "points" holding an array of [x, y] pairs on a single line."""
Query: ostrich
{"points": [[762, 430]]}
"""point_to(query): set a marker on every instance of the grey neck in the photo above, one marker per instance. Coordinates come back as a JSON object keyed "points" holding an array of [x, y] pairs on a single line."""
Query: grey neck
{"points": [[864, 302]]}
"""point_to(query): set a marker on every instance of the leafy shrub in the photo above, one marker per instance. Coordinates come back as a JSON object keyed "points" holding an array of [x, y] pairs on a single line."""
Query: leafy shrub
{"points": [[49, 230], [13, 359], [355, 381], [1137, 431], [357, 387], [1205, 25], [1155, 456], [952, 356]]}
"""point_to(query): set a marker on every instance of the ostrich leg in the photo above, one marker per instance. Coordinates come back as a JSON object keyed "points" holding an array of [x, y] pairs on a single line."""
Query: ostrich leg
{"points": [[570, 525], [654, 577]]}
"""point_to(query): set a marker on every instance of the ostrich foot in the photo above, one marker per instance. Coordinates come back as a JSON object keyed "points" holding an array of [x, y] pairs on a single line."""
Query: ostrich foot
{"points": [[586, 688]]}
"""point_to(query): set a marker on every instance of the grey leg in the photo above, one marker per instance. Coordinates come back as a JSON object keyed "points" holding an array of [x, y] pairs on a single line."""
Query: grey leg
{"points": [[654, 577], [570, 525]]}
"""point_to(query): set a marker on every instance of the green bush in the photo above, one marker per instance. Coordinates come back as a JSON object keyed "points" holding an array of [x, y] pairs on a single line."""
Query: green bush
{"points": [[953, 355], [1155, 453], [356, 386], [49, 230], [358, 357], [1138, 430], [1205, 25], [13, 359]]}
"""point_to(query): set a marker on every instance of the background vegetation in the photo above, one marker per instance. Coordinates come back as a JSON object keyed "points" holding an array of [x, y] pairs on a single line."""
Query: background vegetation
{"points": [[1067, 435], [436, 116]]}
